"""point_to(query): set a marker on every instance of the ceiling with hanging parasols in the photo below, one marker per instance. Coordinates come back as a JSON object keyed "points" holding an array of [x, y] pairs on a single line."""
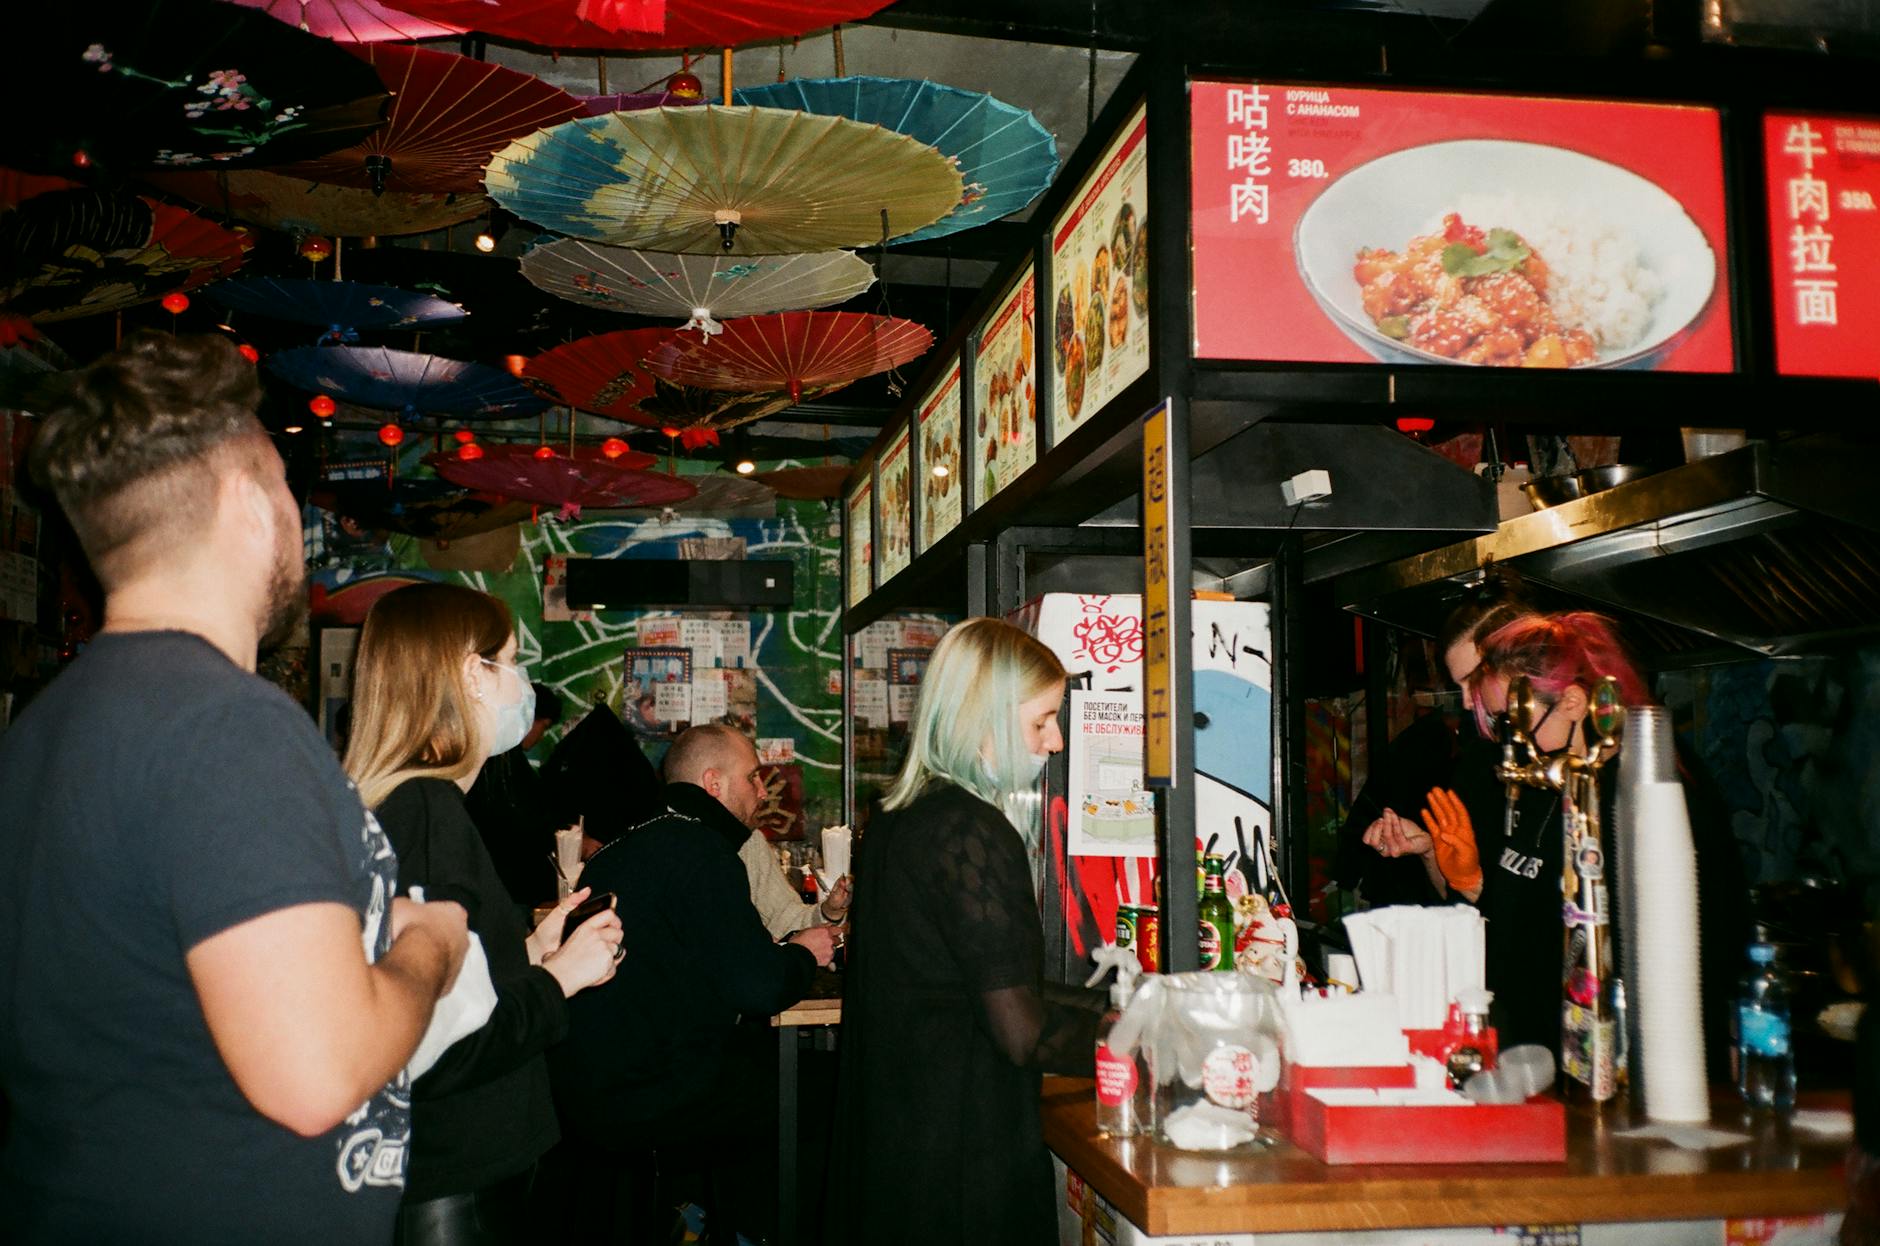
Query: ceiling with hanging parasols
{"points": [[624, 25], [1005, 157], [72, 253], [351, 21], [606, 374], [435, 510], [344, 308], [448, 115], [791, 352], [737, 180], [124, 85], [586, 477], [704, 288], [405, 381], [298, 206]]}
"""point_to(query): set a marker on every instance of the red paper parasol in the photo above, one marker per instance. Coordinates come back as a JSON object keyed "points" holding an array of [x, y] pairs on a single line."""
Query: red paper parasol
{"points": [[791, 351], [626, 24], [588, 478], [606, 374], [291, 203], [449, 114], [351, 21]]}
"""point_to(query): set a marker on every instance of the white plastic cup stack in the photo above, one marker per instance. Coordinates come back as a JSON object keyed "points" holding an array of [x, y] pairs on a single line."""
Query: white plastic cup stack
{"points": [[836, 841], [1657, 868]]}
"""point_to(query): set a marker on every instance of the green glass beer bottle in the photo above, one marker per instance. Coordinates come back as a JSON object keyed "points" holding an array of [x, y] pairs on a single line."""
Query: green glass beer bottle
{"points": [[1217, 919]]}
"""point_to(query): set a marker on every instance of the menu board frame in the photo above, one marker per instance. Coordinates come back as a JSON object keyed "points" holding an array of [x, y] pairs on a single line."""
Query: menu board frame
{"points": [[932, 407], [894, 476], [854, 552], [1008, 311], [1681, 193], [1108, 193], [1821, 232]]}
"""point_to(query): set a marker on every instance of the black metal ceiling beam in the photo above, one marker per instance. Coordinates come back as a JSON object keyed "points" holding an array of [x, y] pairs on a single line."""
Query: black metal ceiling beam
{"points": [[1223, 28]]}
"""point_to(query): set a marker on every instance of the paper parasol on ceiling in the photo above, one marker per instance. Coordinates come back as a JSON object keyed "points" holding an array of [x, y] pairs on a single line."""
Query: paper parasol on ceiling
{"points": [[103, 267], [120, 85], [588, 478], [702, 287], [791, 351], [448, 115], [402, 380], [340, 306], [433, 509], [634, 101], [621, 25], [704, 181], [1004, 156], [805, 484], [293, 204], [352, 21], [606, 375], [719, 493]]}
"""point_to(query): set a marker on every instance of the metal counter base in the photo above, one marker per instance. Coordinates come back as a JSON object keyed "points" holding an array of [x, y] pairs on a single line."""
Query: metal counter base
{"points": [[1610, 1190]]}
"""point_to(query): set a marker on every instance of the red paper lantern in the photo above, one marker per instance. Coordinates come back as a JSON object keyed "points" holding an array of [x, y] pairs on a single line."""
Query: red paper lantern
{"points": [[391, 434], [685, 86], [515, 364], [469, 451], [464, 436], [249, 353], [670, 432], [322, 406], [613, 447], [176, 303], [544, 452], [315, 248], [1415, 424]]}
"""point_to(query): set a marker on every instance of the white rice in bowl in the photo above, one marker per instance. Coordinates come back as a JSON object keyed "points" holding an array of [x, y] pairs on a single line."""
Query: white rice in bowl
{"points": [[1599, 282]]}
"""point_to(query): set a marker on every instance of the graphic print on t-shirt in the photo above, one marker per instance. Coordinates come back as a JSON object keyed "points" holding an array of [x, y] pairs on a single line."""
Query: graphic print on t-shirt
{"points": [[378, 1138]]}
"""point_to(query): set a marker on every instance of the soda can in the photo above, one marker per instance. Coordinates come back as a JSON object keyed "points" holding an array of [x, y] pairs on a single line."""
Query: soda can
{"points": [[1125, 925], [1149, 938]]}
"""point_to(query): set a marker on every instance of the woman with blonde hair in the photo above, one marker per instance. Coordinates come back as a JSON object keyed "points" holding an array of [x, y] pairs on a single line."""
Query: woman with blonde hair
{"points": [[436, 691], [947, 1022]]}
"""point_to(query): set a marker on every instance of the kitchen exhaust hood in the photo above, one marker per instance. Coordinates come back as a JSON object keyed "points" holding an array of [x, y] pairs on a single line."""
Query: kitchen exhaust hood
{"points": [[1774, 549]]}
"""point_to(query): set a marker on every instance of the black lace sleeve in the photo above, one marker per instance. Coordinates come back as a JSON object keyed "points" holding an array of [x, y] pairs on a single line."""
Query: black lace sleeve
{"points": [[992, 923]]}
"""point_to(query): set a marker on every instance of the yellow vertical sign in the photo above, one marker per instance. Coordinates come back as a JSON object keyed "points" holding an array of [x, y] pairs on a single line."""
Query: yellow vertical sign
{"points": [[1158, 601]]}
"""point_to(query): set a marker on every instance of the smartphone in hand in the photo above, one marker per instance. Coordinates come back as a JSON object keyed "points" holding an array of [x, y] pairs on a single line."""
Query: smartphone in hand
{"points": [[594, 905]]}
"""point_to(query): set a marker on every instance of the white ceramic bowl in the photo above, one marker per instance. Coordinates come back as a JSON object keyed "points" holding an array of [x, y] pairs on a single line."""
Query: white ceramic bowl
{"points": [[1387, 201]]}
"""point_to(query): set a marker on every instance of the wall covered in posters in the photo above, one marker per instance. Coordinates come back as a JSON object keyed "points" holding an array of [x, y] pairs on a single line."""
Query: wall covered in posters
{"points": [[776, 674]]}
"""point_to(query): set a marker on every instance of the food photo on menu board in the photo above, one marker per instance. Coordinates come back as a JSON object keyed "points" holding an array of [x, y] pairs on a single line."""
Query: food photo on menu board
{"points": [[1345, 225], [896, 507], [941, 492], [1824, 242], [861, 543], [1100, 282], [1005, 390]]}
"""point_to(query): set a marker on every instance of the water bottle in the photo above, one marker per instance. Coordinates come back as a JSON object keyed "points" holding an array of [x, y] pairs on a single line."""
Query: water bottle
{"points": [[1765, 1061]]}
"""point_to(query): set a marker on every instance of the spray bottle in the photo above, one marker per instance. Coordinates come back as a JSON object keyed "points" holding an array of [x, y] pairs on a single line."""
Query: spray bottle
{"points": [[1122, 1089]]}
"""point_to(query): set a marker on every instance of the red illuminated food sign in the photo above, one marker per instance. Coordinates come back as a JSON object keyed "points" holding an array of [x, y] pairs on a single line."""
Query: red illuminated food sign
{"points": [[1824, 242], [1342, 225]]}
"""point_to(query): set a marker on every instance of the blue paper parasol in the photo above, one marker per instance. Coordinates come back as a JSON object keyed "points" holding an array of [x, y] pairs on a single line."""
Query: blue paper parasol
{"points": [[1005, 157], [399, 380], [342, 307]]}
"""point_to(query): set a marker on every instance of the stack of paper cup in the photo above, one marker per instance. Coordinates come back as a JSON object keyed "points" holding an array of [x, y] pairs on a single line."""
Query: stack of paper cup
{"points": [[1657, 868], [567, 858], [835, 852]]}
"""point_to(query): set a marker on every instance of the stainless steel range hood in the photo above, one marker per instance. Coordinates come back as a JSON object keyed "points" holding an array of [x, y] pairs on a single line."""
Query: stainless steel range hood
{"points": [[1774, 548]]}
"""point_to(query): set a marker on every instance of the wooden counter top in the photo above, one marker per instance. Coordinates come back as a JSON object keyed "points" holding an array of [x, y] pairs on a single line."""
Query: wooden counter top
{"points": [[1161, 1190]]}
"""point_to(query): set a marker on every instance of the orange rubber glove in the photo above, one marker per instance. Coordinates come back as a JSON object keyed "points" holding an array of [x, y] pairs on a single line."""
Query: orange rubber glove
{"points": [[1454, 834]]}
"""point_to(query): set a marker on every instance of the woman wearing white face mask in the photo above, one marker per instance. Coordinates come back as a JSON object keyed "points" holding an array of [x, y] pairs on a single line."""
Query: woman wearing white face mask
{"points": [[946, 1021], [436, 692]]}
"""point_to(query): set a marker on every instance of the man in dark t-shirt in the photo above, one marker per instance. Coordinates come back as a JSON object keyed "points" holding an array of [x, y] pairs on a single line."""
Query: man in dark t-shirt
{"points": [[210, 993]]}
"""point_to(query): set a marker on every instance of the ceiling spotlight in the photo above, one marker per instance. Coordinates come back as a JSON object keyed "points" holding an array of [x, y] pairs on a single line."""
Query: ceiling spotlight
{"points": [[486, 242], [292, 428], [940, 469], [745, 467]]}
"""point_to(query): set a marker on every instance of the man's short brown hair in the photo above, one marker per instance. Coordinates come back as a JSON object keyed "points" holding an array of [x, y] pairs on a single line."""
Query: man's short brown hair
{"points": [[131, 450]]}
